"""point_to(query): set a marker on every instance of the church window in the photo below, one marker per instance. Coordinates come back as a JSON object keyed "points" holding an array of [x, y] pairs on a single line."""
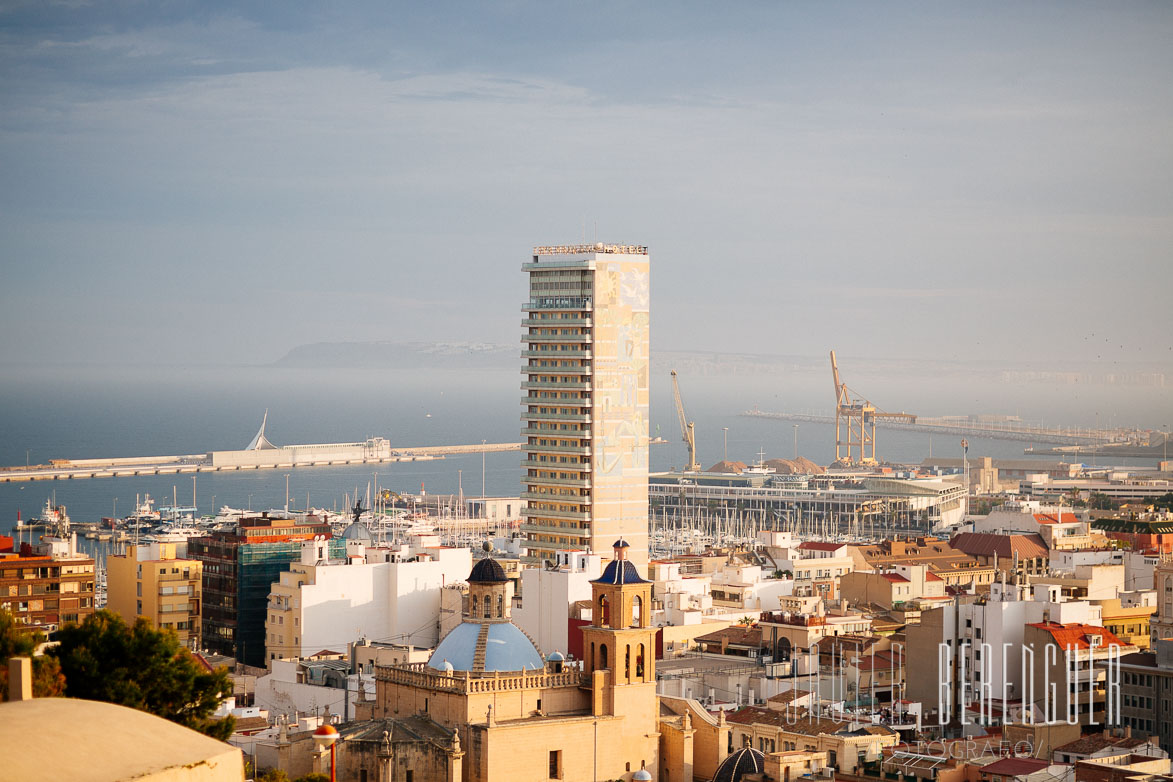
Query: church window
{"points": [[639, 663], [473, 612], [488, 601], [627, 663], [500, 606], [637, 606], [603, 656], [604, 613]]}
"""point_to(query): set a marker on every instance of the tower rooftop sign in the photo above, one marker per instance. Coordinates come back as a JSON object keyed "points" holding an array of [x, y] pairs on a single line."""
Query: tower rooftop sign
{"points": [[598, 247]]}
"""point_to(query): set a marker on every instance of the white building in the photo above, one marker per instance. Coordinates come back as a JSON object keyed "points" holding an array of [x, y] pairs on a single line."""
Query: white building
{"points": [[547, 595], [998, 620], [385, 594], [294, 688]]}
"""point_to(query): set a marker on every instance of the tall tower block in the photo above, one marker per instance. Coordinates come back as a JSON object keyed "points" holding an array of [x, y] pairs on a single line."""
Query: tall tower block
{"points": [[585, 356]]}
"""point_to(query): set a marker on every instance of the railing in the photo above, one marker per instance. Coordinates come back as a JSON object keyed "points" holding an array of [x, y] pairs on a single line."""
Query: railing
{"points": [[797, 620], [464, 682]]}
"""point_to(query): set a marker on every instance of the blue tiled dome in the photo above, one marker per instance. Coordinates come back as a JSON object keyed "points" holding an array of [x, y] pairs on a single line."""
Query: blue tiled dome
{"points": [[506, 649], [620, 571]]}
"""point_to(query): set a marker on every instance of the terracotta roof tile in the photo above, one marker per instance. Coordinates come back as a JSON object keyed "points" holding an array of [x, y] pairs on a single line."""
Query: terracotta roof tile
{"points": [[1075, 634]]}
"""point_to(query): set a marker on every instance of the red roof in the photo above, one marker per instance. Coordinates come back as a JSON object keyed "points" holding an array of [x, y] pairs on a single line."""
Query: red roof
{"points": [[1075, 635], [1049, 518], [895, 578], [932, 577], [1013, 767], [814, 545]]}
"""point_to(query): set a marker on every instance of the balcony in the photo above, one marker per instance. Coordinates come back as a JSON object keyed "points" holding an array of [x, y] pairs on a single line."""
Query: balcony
{"points": [[565, 303], [569, 515], [581, 401], [552, 338], [581, 450], [552, 322], [584, 434], [563, 385], [568, 466], [580, 483], [572, 355], [579, 417], [577, 499], [530, 369]]}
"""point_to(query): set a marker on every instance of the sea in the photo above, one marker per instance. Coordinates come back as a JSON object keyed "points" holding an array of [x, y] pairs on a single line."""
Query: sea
{"points": [[58, 412]]}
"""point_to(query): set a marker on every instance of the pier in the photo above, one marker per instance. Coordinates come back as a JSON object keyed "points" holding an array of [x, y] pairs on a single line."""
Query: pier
{"points": [[376, 451]]}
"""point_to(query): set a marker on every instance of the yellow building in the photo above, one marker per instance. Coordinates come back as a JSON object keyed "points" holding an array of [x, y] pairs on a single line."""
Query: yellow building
{"points": [[149, 581], [518, 716], [1131, 624], [585, 421]]}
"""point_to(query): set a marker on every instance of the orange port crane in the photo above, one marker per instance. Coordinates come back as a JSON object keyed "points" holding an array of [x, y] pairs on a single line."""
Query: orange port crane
{"points": [[857, 419], [687, 430]]}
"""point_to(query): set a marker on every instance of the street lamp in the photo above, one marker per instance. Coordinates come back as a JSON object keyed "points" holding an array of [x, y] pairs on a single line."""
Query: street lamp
{"points": [[795, 440], [483, 468], [324, 737], [115, 514], [725, 429]]}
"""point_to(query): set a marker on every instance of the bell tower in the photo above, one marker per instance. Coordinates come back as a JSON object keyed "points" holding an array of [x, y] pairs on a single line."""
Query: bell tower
{"points": [[619, 645]]}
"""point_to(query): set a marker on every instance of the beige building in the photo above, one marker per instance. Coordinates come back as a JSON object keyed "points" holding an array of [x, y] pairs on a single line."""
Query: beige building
{"points": [[585, 422], [955, 568], [847, 745], [1078, 661], [903, 584], [149, 581]]}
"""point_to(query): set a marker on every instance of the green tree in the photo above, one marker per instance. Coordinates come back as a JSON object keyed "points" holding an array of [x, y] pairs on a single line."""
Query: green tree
{"points": [[314, 777], [1164, 501], [18, 641], [104, 659], [1099, 501]]}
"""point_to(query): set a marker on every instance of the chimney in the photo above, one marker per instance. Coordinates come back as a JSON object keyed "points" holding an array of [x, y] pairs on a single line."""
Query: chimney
{"points": [[20, 679]]}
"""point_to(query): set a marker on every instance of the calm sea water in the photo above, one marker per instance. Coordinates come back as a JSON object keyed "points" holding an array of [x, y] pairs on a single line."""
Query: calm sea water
{"points": [[49, 413]]}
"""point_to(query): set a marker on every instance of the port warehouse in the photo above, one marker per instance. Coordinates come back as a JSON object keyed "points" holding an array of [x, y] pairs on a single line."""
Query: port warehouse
{"points": [[902, 504]]}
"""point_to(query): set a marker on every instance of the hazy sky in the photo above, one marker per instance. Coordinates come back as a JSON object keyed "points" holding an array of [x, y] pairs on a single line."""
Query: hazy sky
{"points": [[202, 182]]}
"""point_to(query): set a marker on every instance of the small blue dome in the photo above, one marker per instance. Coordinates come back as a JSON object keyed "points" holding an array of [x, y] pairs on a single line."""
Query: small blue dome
{"points": [[556, 657], [506, 649]]}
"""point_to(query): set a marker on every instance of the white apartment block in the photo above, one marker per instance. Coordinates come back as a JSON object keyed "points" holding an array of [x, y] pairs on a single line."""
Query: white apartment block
{"points": [[547, 595], [383, 594]]}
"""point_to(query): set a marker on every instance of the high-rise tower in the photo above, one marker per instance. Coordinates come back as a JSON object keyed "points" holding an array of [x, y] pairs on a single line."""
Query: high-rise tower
{"points": [[586, 399]]}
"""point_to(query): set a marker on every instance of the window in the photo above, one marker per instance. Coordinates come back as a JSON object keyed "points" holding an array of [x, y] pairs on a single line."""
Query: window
{"points": [[555, 764]]}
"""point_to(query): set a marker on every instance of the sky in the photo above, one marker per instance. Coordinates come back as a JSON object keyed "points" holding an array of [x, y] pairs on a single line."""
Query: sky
{"points": [[217, 183]]}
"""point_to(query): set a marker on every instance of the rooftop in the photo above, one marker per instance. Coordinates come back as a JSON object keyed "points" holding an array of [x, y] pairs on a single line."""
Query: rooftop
{"points": [[1076, 635], [89, 741]]}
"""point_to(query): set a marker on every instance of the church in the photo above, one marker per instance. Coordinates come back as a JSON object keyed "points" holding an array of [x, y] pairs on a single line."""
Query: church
{"points": [[515, 714]]}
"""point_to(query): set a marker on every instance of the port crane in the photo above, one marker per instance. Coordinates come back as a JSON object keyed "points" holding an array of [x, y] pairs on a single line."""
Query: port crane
{"points": [[687, 431], [857, 419]]}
